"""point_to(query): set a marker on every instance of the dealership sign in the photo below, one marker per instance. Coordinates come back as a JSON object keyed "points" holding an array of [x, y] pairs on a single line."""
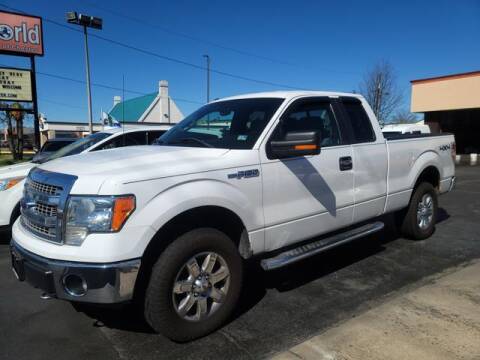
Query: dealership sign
{"points": [[15, 85], [20, 34]]}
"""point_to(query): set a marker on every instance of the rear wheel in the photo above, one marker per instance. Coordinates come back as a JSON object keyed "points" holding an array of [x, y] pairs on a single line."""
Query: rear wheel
{"points": [[418, 220], [194, 286]]}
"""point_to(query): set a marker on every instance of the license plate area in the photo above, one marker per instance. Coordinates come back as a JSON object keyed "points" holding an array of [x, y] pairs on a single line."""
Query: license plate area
{"points": [[39, 278], [35, 274], [18, 267]]}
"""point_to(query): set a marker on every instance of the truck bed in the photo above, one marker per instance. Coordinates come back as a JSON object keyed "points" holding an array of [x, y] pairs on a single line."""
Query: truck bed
{"points": [[408, 156], [392, 137]]}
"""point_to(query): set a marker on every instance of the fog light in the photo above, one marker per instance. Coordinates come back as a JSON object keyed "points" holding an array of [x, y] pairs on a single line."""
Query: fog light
{"points": [[75, 285]]}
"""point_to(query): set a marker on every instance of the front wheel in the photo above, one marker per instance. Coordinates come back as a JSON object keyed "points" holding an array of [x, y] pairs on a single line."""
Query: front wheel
{"points": [[194, 286], [418, 220]]}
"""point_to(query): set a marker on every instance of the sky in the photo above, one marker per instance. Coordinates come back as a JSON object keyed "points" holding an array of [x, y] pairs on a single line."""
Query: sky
{"points": [[321, 45]]}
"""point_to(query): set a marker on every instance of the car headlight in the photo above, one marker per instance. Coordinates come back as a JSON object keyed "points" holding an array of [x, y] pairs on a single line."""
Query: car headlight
{"points": [[6, 184], [95, 214]]}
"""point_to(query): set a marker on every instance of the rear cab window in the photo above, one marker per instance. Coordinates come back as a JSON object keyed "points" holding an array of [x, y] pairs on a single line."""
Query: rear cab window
{"points": [[358, 120]]}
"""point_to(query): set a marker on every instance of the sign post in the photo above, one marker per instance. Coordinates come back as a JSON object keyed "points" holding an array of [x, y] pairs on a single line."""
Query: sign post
{"points": [[36, 122], [21, 35]]}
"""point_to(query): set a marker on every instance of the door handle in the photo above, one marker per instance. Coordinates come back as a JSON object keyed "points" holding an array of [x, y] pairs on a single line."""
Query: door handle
{"points": [[346, 163]]}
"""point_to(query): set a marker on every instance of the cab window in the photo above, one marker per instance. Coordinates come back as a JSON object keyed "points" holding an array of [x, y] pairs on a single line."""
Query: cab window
{"points": [[359, 121], [153, 135], [310, 115]]}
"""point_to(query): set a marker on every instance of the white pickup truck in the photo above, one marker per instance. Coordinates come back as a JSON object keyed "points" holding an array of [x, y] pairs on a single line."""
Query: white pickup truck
{"points": [[277, 176]]}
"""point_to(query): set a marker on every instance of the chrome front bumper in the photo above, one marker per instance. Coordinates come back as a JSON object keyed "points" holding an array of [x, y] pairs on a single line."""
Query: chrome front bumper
{"points": [[98, 283]]}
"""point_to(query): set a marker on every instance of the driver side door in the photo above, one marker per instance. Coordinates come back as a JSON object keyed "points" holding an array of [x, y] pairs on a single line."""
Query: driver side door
{"points": [[310, 195]]}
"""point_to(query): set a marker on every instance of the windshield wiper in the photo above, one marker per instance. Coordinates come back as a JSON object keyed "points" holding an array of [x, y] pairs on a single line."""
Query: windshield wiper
{"points": [[188, 139]]}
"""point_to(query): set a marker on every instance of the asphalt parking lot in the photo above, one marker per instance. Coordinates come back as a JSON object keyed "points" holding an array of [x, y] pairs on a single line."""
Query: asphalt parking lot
{"points": [[279, 310]]}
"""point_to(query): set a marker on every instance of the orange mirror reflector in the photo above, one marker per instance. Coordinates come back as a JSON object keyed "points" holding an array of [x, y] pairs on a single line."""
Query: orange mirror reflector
{"points": [[305, 147]]}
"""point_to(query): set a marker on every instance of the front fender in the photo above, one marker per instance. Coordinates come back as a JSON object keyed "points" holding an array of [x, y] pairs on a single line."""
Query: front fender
{"points": [[190, 194], [9, 199]]}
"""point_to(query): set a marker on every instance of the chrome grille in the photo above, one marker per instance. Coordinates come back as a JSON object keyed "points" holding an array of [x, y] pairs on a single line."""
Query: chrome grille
{"points": [[38, 229], [44, 188], [45, 210], [44, 198]]}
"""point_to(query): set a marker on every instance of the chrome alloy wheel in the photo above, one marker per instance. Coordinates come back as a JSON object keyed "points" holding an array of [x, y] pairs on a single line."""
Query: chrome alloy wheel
{"points": [[200, 290], [425, 212]]}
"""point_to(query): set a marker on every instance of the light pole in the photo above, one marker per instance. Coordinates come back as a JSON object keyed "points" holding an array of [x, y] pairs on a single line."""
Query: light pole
{"points": [[208, 76], [95, 23]]}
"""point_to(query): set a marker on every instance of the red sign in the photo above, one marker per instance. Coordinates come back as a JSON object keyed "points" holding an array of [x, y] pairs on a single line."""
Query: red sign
{"points": [[21, 34]]}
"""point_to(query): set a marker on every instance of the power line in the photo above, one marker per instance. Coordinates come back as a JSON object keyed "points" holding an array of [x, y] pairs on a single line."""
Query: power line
{"points": [[209, 42], [164, 57], [109, 87], [61, 104], [186, 36]]}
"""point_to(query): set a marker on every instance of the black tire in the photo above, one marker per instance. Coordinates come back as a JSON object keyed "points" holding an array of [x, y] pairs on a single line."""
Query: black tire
{"points": [[407, 218], [160, 311]]}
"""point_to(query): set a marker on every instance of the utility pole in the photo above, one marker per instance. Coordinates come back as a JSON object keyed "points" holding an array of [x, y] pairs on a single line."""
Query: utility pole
{"points": [[207, 57], [95, 23], [89, 88], [378, 97]]}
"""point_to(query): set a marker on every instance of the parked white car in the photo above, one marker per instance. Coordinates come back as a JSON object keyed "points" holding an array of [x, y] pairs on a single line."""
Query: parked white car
{"points": [[255, 175], [51, 146], [12, 177], [399, 129]]}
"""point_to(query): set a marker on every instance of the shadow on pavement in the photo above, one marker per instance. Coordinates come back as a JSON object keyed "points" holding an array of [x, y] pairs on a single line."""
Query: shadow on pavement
{"points": [[130, 317], [125, 317], [5, 237]]}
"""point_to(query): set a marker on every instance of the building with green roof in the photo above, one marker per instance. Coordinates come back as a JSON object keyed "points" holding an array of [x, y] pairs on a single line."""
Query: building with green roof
{"points": [[156, 107], [151, 109]]}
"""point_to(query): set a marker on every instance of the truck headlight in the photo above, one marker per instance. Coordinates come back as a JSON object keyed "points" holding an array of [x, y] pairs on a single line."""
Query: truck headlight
{"points": [[95, 214], [6, 184]]}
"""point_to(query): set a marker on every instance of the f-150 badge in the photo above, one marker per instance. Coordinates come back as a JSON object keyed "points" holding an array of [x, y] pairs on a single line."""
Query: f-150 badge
{"points": [[245, 174]]}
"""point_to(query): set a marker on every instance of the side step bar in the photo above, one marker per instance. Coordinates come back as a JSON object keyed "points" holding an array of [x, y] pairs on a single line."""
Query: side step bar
{"points": [[316, 247]]}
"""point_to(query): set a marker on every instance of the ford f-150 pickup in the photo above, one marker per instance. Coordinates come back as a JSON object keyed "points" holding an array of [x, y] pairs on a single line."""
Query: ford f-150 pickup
{"points": [[276, 176]]}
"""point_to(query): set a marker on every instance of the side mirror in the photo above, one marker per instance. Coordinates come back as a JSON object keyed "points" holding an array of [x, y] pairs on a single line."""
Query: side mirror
{"points": [[296, 144]]}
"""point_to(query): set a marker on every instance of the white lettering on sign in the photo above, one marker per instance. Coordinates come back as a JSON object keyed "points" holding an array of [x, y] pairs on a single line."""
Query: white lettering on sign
{"points": [[15, 85]]}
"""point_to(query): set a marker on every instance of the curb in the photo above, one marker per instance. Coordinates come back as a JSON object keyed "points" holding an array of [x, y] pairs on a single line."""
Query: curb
{"points": [[468, 159]]}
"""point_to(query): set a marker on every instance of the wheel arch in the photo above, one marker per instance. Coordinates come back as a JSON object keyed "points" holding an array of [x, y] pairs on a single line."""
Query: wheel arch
{"points": [[213, 216], [15, 213], [429, 174]]}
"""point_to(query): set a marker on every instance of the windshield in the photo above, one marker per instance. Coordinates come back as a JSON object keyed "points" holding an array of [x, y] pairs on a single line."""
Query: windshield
{"points": [[52, 146], [231, 124], [78, 146]]}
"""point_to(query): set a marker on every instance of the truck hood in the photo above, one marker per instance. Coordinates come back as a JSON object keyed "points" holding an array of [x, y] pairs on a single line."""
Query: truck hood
{"points": [[16, 170], [136, 163]]}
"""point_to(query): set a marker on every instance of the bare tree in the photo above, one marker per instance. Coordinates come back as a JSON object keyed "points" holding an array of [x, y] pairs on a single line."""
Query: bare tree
{"points": [[13, 119], [381, 91], [404, 116]]}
